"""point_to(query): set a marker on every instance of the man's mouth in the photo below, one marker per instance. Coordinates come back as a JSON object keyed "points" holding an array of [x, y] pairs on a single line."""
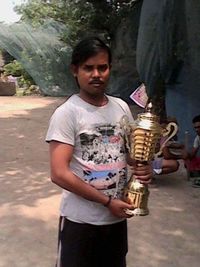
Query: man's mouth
{"points": [[96, 82]]}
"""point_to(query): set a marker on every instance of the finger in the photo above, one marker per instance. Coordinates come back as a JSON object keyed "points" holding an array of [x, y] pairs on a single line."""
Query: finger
{"points": [[128, 213], [142, 168], [145, 180], [143, 174]]}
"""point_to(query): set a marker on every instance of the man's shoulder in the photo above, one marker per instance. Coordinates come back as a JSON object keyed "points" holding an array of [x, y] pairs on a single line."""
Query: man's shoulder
{"points": [[70, 100], [67, 107], [117, 100]]}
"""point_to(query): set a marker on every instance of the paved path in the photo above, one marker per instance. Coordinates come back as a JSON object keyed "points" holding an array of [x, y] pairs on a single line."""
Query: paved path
{"points": [[168, 237]]}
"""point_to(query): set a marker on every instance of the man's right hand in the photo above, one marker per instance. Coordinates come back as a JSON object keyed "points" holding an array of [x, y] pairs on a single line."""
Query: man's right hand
{"points": [[117, 207]]}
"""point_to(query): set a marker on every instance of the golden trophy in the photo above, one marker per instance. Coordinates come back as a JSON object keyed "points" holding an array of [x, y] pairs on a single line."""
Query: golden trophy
{"points": [[142, 137]]}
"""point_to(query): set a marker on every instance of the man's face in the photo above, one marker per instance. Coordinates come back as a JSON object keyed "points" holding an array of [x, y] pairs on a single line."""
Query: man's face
{"points": [[93, 74], [197, 127]]}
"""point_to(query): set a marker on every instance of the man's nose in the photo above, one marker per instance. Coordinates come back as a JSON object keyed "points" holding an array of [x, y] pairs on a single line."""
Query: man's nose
{"points": [[95, 73]]}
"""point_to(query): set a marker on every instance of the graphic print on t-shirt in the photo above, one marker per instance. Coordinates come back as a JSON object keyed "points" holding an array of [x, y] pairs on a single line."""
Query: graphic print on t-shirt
{"points": [[104, 155]]}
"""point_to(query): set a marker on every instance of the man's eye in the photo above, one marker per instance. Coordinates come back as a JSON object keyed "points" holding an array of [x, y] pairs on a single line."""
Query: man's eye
{"points": [[102, 68], [88, 68]]}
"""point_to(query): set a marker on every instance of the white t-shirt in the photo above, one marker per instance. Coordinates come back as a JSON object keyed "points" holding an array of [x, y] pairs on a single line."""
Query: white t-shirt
{"points": [[196, 143], [99, 153]]}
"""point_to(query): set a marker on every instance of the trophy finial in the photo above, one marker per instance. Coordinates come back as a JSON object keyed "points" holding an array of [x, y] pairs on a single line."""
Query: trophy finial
{"points": [[149, 107]]}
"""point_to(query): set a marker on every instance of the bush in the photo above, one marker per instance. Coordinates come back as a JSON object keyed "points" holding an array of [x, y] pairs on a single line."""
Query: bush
{"points": [[16, 69]]}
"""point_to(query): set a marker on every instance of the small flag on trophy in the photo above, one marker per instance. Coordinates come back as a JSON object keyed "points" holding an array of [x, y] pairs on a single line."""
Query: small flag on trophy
{"points": [[139, 96]]}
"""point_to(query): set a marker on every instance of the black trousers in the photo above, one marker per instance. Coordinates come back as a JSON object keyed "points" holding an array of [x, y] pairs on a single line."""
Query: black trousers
{"points": [[85, 245]]}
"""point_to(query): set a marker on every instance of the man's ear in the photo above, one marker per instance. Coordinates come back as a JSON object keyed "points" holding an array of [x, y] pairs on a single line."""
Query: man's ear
{"points": [[74, 70]]}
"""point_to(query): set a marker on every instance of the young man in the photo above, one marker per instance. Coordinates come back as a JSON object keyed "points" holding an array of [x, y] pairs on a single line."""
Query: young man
{"points": [[196, 144], [192, 158], [88, 160]]}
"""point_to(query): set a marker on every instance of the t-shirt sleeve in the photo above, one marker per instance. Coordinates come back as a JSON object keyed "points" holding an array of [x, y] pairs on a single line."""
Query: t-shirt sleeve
{"points": [[126, 109], [129, 114], [196, 143], [61, 127]]}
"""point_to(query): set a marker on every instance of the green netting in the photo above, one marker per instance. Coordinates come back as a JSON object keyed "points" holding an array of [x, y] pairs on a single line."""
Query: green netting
{"points": [[44, 56]]}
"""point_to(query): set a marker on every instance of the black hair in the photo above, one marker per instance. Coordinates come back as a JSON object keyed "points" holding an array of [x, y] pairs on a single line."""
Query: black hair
{"points": [[87, 48], [196, 119]]}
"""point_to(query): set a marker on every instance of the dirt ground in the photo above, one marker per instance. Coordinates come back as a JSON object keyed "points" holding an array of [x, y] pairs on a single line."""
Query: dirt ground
{"points": [[29, 202]]}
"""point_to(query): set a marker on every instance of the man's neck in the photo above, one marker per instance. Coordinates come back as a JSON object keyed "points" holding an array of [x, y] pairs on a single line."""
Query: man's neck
{"points": [[98, 101]]}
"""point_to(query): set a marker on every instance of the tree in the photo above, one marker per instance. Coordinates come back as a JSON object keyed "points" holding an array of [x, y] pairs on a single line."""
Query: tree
{"points": [[79, 16], [16, 69], [49, 28]]}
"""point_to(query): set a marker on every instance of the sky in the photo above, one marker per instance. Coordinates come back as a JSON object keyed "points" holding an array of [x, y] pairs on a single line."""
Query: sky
{"points": [[7, 13]]}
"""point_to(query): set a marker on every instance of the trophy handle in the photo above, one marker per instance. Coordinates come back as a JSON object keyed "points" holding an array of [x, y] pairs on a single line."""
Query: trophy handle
{"points": [[170, 131]]}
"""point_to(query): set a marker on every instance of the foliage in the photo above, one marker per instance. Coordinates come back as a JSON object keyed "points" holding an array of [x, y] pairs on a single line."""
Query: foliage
{"points": [[79, 16], [16, 69], [45, 22]]}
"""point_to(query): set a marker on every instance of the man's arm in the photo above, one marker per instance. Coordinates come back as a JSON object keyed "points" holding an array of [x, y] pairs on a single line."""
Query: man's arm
{"points": [[60, 157], [196, 146], [61, 174], [193, 152], [178, 151]]}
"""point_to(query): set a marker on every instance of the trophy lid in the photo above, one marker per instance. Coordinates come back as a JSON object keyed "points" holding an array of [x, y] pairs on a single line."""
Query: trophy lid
{"points": [[148, 120]]}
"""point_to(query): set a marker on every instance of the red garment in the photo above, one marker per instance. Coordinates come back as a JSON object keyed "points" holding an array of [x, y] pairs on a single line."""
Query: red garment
{"points": [[193, 164]]}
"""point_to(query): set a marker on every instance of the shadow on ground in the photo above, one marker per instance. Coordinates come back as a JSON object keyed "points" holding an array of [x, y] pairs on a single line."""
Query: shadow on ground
{"points": [[29, 202], [169, 235], [24, 163]]}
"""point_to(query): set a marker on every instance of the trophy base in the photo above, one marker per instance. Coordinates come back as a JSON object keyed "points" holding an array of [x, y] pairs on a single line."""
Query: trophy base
{"points": [[137, 195], [137, 212]]}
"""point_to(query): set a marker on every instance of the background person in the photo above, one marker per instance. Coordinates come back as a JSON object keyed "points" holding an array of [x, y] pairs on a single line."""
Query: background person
{"points": [[192, 158]]}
